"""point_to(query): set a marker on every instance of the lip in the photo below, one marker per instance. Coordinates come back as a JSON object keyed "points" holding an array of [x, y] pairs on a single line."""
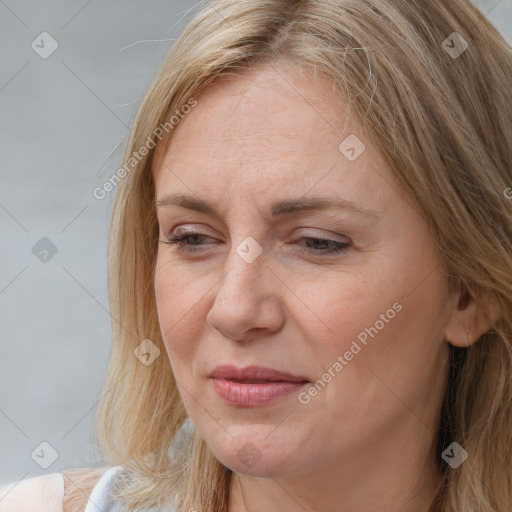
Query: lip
{"points": [[227, 380], [231, 372]]}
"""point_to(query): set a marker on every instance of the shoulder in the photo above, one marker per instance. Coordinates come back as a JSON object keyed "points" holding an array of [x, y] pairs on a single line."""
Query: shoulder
{"points": [[68, 491], [88, 490], [37, 494]]}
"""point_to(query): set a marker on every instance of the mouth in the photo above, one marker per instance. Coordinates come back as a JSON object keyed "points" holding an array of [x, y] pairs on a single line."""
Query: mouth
{"points": [[254, 386]]}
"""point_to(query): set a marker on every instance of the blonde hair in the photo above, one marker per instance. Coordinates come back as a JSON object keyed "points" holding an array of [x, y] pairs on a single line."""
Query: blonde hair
{"points": [[444, 124]]}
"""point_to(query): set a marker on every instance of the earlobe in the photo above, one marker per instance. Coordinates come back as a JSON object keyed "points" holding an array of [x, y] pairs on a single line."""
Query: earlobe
{"points": [[470, 319]]}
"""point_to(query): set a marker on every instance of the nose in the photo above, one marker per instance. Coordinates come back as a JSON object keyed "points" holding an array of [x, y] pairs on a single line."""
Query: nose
{"points": [[248, 301]]}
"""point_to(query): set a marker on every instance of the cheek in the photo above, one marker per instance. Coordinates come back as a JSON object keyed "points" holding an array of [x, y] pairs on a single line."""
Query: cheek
{"points": [[178, 301], [381, 320], [400, 351], [343, 309]]}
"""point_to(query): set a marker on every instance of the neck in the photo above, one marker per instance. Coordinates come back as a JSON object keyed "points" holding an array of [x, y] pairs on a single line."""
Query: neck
{"points": [[386, 477]]}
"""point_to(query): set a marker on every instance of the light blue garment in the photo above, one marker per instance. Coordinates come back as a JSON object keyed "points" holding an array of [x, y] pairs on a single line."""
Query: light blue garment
{"points": [[101, 500]]}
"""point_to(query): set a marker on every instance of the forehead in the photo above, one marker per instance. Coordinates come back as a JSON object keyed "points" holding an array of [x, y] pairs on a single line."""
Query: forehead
{"points": [[254, 107], [266, 132]]}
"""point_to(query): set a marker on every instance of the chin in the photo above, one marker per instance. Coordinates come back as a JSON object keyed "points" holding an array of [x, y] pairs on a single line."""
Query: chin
{"points": [[253, 452], [254, 464]]}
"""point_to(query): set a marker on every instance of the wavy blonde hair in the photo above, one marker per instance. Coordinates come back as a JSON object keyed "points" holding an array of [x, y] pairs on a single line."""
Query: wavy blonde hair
{"points": [[444, 125]]}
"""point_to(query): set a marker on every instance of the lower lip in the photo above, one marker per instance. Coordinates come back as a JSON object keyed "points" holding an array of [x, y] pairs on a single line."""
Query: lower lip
{"points": [[254, 395]]}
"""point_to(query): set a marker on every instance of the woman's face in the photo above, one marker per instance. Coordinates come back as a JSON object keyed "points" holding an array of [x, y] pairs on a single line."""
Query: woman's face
{"points": [[260, 287]]}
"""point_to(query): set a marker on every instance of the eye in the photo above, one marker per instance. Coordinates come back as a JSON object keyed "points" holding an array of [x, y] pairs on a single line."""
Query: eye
{"points": [[333, 246], [186, 241], [181, 239]]}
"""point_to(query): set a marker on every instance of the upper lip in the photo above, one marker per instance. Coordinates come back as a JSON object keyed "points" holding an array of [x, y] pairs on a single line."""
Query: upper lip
{"points": [[231, 372]]}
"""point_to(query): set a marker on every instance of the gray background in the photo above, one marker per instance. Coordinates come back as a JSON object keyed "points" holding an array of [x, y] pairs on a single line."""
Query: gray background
{"points": [[62, 118]]}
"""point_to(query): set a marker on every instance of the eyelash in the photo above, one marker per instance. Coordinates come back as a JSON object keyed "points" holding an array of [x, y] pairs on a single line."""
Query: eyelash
{"points": [[178, 240]]}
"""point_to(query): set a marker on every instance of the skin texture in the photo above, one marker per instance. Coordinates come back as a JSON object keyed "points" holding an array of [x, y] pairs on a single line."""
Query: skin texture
{"points": [[364, 442]]}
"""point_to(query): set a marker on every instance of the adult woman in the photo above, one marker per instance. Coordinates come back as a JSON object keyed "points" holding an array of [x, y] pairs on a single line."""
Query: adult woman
{"points": [[389, 349]]}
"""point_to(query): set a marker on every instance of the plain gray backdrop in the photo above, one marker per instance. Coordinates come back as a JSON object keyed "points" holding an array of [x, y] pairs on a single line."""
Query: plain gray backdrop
{"points": [[61, 117]]}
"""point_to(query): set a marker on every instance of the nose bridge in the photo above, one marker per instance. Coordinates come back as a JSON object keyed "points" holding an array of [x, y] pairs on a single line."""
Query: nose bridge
{"points": [[245, 298], [244, 268]]}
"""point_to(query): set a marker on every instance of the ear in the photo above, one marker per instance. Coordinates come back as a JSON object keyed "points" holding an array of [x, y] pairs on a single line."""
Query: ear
{"points": [[470, 318]]}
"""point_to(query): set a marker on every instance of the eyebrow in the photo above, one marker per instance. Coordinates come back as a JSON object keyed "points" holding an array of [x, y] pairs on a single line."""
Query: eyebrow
{"points": [[285, 207]]}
